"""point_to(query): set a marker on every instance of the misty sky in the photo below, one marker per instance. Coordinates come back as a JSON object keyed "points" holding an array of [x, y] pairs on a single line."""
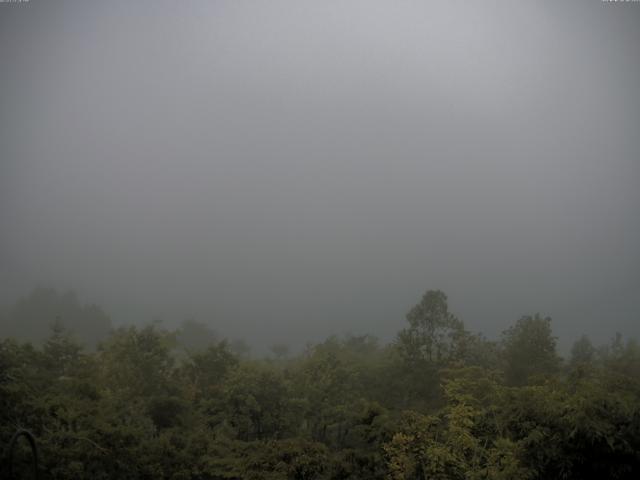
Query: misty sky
{"points": [[284, 170]]}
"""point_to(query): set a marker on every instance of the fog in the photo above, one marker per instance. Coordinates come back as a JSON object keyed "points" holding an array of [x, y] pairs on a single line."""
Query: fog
{"points": [[285, 170]]}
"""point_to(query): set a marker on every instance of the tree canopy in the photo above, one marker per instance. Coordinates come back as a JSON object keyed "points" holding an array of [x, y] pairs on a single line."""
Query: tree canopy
{"points": [[437, 403]]}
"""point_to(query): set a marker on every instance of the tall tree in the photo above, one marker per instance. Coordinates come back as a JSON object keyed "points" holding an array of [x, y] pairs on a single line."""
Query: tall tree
{"points": [[434, 333], [529, 349]]}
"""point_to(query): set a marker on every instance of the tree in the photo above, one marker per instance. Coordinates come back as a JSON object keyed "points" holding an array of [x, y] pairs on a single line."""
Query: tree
{"points": [[326, 385], [583, 352], [137, 362], [61, 353], [529, 350], [138, 409], [206, 371], [434, 338], [256, 401], [622, 358], [434, 332]]}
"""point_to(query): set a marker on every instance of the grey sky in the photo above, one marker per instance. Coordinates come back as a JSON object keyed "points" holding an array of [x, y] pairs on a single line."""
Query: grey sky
{"points": [[289, 169]]}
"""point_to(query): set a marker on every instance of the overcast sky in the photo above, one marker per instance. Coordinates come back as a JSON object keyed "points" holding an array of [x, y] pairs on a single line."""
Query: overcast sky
{"points": [[284, 170]]}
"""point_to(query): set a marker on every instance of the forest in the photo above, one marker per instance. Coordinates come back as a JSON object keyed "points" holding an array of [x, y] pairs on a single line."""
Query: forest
{"points": [[438, 402], [319, 240]]}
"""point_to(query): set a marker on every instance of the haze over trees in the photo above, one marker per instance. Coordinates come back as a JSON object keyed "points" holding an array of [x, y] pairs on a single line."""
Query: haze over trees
{"points": [[237, 185], [436, 403], [32, 317]]}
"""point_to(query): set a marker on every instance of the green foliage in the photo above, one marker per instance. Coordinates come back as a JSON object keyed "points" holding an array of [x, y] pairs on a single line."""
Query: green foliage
{"points": [[136, 363], [256, 402], [434, 333], [529, 350], [438, 404], [203, 373]]}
